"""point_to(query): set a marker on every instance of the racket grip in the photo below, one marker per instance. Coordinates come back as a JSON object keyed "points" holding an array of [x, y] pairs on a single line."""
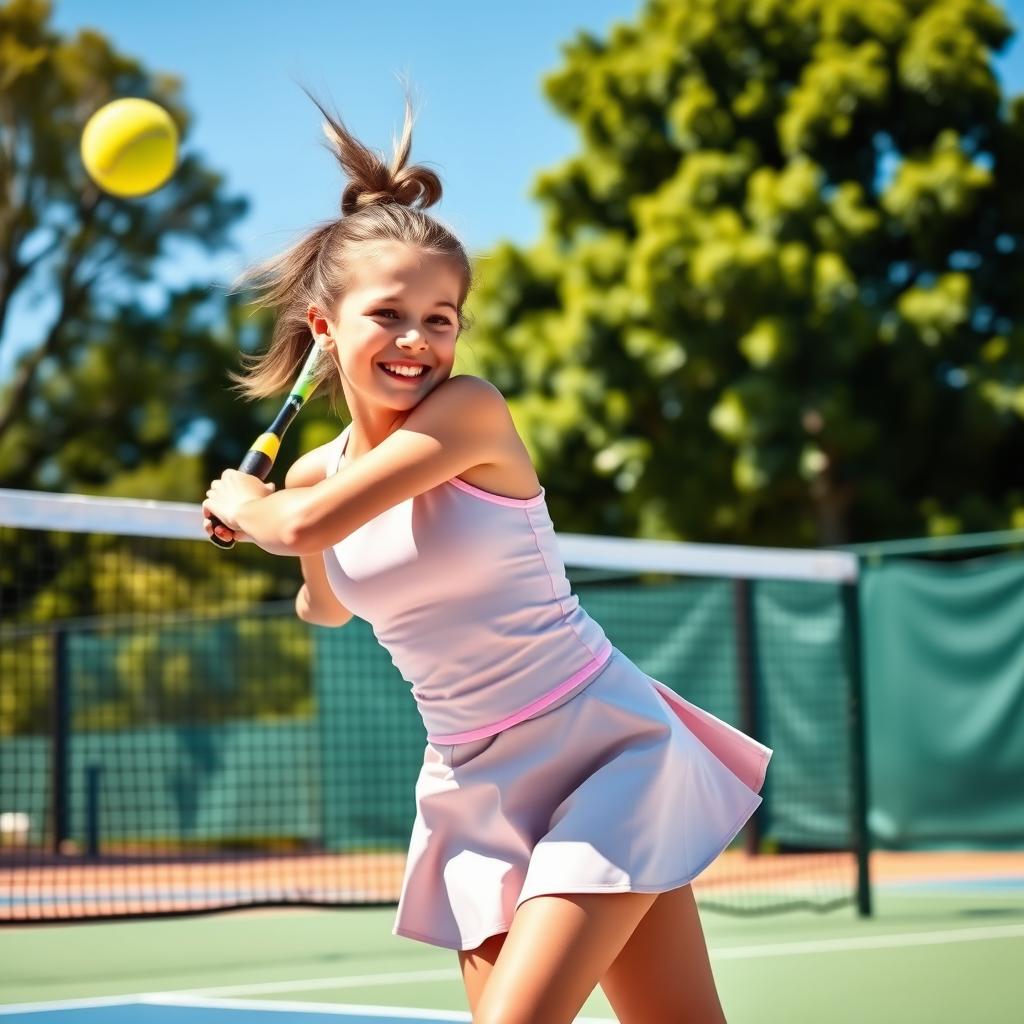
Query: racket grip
{"points": [[257, 464], [220, 541]]}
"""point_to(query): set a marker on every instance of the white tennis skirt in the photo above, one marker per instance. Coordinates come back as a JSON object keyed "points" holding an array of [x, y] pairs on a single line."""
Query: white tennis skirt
{"points": [[620, 786]]}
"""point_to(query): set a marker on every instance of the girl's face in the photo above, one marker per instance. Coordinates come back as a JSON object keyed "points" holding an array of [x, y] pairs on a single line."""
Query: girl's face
{"points": [[400, 307]]}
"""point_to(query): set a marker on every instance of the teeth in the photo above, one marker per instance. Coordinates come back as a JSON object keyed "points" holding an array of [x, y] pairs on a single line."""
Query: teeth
{"points": [[405, 371]]}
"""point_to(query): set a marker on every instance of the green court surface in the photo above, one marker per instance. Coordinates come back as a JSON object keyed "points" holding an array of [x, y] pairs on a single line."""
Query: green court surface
{"points": [[930, 954]]}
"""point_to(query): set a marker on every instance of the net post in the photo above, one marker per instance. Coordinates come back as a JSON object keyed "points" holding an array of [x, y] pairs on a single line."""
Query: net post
{"points": [[850, 595], [93, 772], [60, 720], [747, 682]]}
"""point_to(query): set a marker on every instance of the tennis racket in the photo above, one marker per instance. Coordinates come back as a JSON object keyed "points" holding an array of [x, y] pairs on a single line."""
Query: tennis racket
{"points": [[259, 459]]}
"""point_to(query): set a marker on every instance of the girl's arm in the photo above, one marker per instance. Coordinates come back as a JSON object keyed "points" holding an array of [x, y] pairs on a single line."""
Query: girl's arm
{"points": [[464, 422], [315, 602]]}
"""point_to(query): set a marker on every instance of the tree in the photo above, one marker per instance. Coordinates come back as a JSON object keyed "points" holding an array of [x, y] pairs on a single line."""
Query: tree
{"points": [[101, 401], [778, 294]]}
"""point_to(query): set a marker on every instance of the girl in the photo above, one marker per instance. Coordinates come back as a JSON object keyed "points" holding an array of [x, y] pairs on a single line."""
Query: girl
{"points": [[566, 799]]}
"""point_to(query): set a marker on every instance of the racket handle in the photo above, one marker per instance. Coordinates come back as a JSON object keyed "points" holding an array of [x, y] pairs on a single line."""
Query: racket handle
{"points": [[220, 541], [257, 464]]}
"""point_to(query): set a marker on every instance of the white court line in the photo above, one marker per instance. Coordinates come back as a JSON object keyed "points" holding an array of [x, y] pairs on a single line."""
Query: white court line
{"points": [[839, 945], [302, 1007], [890, 941], [69, 1004], [894, 940], [327, 1008], [262, 1005], [338, 981]]}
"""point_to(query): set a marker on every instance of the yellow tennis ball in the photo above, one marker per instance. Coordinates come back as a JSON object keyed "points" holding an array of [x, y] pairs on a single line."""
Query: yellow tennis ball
{"points": [[130, 146]]}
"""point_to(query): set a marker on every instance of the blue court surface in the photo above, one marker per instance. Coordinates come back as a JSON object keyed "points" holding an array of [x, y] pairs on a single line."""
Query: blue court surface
{"points": [[167, 1009], [175, 1008]]}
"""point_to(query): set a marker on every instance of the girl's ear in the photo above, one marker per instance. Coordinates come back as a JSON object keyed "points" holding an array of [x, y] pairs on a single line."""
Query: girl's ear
{"points": [[319, 325]]}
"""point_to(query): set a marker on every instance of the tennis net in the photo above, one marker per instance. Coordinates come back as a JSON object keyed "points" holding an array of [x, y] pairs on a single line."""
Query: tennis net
{"points": [[173, 739]]}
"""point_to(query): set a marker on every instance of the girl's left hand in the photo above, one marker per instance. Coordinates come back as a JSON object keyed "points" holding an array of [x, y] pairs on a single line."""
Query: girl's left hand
{"points": [[229, 493]]}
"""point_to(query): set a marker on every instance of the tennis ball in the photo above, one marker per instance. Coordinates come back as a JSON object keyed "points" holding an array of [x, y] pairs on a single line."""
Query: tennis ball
{"points": [[130, 146]]}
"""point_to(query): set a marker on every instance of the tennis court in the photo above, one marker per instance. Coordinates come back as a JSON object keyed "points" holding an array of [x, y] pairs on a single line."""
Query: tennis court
{"points": [[132, 809], [757, 321], [939, 920]]}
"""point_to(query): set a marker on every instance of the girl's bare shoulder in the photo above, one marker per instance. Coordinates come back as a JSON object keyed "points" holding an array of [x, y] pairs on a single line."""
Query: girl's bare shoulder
{"points": [[510, 474]]}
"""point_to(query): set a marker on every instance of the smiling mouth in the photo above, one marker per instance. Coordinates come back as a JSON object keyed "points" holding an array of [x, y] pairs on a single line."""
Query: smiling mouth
{"points": [[404, 376]]}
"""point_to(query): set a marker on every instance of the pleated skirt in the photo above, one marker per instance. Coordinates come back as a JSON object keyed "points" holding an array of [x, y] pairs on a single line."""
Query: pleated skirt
{"points": [[620, 786]]}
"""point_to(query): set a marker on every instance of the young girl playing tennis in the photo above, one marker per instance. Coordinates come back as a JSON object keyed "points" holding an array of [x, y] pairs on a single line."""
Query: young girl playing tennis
{"points": [[566, 799]]}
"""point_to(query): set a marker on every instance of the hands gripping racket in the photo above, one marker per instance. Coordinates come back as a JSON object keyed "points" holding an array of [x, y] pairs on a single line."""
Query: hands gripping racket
{"points": [[259, 459]]}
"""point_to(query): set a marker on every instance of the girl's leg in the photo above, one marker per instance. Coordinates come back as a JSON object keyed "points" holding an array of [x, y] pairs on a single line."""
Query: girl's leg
{"points": [[476, 966], [663, 972], [557, 950]]}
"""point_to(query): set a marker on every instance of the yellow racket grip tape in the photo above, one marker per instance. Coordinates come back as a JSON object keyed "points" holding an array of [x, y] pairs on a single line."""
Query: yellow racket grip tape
{"points": [[268, 444]]}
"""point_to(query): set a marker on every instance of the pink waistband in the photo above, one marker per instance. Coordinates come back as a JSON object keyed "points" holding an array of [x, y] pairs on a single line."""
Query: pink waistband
{"points": [[602, 655]]}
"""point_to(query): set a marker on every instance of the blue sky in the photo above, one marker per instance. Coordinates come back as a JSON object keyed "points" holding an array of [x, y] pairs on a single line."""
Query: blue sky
{"points": [[476, 69]]}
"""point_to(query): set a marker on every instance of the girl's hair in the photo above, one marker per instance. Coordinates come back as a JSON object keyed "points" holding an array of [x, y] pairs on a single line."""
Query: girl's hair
{"points": [[376, 206]]}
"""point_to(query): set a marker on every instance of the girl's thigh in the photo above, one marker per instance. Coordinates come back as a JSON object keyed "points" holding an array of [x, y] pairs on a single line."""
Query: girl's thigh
{"points": [[663, 972], [476, 965], [557, 950]]}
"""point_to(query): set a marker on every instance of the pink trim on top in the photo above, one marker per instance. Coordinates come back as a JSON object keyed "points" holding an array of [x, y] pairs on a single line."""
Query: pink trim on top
{"points": [[603, 654], [497, 499]]}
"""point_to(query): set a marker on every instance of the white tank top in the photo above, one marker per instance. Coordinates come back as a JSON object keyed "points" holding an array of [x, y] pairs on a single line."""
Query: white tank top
{"points": [[467, 592]]}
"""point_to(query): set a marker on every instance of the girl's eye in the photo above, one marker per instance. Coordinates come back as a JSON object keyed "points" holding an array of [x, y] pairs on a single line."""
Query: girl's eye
{"points": [[438, 316]]}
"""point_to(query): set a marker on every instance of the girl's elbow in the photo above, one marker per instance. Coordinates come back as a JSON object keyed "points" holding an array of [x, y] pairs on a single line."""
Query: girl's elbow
{"points": [[298, 528], [310, 540], [293, 538]]}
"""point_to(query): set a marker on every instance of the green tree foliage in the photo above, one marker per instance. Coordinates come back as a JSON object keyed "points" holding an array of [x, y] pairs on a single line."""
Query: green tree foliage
{"points": [[778, 294], [108, 386], [102, 403]]}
